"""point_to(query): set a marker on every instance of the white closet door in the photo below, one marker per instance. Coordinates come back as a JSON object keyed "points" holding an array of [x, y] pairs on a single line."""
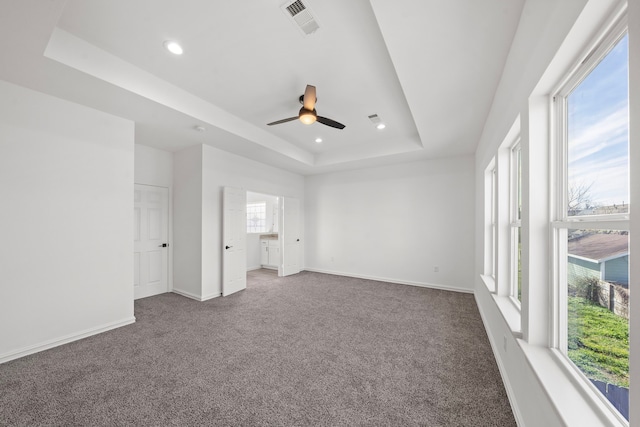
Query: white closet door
{"points": [[234, 240], [150, 244], [291, 244]]}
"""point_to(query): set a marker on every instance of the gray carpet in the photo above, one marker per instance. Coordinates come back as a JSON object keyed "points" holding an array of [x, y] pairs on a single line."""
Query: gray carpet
{"points": [[306, 350]]}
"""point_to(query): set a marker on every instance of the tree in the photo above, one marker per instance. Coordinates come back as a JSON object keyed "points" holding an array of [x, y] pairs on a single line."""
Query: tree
{"points": [[578, 197]]}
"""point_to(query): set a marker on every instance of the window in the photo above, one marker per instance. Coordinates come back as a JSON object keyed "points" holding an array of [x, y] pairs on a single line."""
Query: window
{"points": [[493, 216], [490, 218], [516, 221], [256, 217], [591, 224]]}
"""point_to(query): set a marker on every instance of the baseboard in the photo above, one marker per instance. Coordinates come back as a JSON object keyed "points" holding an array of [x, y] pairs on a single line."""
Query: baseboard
{"points": [[208, 297], [503, 373], [194, 296], [25, 351], [396, 281], [186, 294], [259, 267]]}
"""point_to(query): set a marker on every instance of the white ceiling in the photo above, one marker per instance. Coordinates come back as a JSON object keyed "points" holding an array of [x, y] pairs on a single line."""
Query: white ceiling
{"points": [[429, 69]]}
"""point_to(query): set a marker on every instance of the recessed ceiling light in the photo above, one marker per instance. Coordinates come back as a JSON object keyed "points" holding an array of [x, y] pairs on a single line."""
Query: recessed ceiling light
{"points": [[173, 47], [318, 140], [377, 121]]}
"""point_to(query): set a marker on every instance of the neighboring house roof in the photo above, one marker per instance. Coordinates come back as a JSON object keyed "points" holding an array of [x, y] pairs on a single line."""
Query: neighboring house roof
{"points": [[599, 246]]}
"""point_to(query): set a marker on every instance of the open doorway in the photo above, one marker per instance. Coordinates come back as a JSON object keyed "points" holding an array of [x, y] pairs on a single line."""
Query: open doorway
{"points": [[263, 237], [260, 232], [260, 277]]}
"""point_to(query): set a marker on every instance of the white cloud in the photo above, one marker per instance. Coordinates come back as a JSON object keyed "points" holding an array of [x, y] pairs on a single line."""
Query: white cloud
{"points": [[597, 157], [614, 124]]}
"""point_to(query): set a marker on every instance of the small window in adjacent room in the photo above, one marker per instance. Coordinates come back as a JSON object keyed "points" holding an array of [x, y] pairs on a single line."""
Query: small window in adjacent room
{"points": [[592, 223], [256, 217], [516, 221]]}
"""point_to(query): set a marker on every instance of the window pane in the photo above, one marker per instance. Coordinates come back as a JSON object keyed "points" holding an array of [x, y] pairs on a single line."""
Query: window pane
{"points": [[516, 218], [493, 221], [493, 196], [598, 138], [256, 217], [598, 310], [519, 290], [518, 154]]}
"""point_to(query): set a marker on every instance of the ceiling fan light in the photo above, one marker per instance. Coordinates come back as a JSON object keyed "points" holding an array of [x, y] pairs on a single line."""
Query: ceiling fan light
{"points": [[308, 117]]}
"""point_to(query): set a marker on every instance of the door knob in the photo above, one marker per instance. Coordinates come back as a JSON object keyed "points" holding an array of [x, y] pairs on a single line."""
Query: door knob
{"points": [[227, 247], [297, 240], [164, 245]]}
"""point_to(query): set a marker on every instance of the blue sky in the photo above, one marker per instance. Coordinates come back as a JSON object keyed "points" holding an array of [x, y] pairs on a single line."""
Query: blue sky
{"points": [[598, 129]]}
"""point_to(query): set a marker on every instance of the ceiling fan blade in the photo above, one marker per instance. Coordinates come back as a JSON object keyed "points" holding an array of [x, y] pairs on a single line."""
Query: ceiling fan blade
{"points": [[282, 121], [309, 101], [329, 122]]}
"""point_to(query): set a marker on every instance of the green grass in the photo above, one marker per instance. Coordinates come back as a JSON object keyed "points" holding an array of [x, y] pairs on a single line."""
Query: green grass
{"points": [[598, 342]]}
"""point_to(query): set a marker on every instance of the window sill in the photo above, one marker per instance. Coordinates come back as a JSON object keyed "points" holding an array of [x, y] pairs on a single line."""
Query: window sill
{"points": [[510, 314], [507, 307], [489, 282], [575, 402]]}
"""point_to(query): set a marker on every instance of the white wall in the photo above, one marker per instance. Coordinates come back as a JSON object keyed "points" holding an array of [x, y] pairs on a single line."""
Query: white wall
{"points": [[394, 223], [537, 409], [66, 180], [153, 166], [200, 173], [187, 222]]}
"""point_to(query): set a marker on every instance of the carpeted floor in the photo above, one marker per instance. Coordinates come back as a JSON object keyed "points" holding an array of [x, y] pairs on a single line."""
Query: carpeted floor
{"points": [[305, 350]]}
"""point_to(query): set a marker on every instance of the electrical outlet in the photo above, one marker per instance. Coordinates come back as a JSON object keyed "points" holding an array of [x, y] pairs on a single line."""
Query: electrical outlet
{"points": [[436, 269]]}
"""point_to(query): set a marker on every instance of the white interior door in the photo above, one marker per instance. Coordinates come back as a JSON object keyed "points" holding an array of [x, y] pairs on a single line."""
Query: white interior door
{"points": [[291, 243], [150, 251], [234, 240]]}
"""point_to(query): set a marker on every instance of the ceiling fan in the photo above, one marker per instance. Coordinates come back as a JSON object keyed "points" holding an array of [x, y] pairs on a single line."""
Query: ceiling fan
{"points": [[307, 113]]}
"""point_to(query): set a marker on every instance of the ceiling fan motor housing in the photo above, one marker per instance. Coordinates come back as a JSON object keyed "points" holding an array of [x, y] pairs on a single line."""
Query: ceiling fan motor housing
{"points": [[301, 99]]}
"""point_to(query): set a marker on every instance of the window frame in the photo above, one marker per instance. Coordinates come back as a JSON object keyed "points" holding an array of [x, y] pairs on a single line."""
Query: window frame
{"points": [[561, 222], [494, 218], [490, 222], [515, 219]]}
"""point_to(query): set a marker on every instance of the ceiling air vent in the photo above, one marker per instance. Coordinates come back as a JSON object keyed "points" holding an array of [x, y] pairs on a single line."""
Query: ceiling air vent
{"points": [[301, 16]]}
